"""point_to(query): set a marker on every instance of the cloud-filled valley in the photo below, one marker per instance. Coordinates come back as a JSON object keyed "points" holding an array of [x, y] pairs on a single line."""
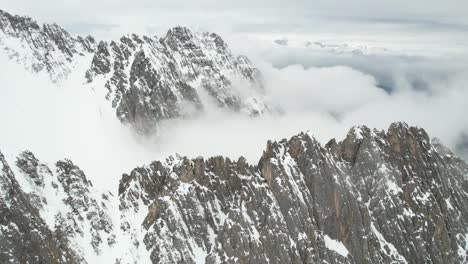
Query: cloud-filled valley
{"points": [[319, 92]]}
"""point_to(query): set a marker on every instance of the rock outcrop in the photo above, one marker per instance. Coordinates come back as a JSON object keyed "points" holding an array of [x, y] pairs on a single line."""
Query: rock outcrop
{"points": [[146, 79], [375, 197], [390, 196], [150, 79], [50, 216], [47, 47]]}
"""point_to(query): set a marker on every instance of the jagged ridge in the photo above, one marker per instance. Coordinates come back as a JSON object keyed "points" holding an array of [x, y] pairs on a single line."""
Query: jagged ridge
{"points": [[147, 79], [375, 197]]}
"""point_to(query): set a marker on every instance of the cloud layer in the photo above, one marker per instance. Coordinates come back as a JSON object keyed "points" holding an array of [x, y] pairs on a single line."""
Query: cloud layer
{"points": [[75, 122], [326, 102], [421, 78], [252, 16]]}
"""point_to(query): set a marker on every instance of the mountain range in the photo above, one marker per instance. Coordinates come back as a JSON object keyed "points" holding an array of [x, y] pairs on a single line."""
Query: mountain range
{"points": [[393, 196], [146, 79]]}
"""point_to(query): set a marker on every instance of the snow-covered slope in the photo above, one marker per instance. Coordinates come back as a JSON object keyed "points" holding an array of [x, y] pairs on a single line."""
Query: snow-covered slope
{"points": [[390, 196], [375, 197], [41, 47], [150, 79], [147, 79]]}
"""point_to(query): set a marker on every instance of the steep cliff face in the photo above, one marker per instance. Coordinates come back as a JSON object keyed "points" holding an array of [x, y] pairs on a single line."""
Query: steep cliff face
{"points": [[146, 79], [150, 79], [50, 216], [390, 196], [376, 197]]}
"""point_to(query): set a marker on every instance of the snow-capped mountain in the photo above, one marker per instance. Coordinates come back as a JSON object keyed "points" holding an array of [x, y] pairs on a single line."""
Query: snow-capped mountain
{"points": [[390, 196], [51, 215], [146, 79], [149, 79], [45, 47]]}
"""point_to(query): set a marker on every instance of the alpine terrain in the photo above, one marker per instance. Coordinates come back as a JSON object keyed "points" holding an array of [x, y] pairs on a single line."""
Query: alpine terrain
{"points": [[146, 79], [393, 196]]}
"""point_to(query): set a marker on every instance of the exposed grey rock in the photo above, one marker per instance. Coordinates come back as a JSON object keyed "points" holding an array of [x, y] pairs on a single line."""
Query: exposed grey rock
{"points": [[47, 215], [376, 197], [386, 196], [152, 79], [147, 79], [83, 206], [40, 48], [28, 164], [24, 235]]}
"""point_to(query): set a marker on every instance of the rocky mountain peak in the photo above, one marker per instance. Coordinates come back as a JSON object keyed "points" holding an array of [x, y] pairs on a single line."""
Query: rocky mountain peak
{"points": [[147, 79], [150, 79], [47, 47], [179, 37], [374, 197], [30, 166], [15, 25], [342, 197], [389, 196], [405, 139]]}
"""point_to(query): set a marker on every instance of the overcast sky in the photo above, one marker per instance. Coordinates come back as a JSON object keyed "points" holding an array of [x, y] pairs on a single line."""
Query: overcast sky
{"points": [[272, 16]]}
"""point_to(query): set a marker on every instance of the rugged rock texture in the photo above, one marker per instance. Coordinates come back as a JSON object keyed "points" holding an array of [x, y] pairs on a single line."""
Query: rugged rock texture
{"points": [[146, 79], [24, 234], [376, 197], [50, 216], [150, 79], [39, 48]]}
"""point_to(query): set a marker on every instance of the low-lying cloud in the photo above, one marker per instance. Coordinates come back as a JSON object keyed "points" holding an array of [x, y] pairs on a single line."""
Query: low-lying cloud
{"points": [[73, 121], [327, 102], [421, 84], [67, 121]]}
